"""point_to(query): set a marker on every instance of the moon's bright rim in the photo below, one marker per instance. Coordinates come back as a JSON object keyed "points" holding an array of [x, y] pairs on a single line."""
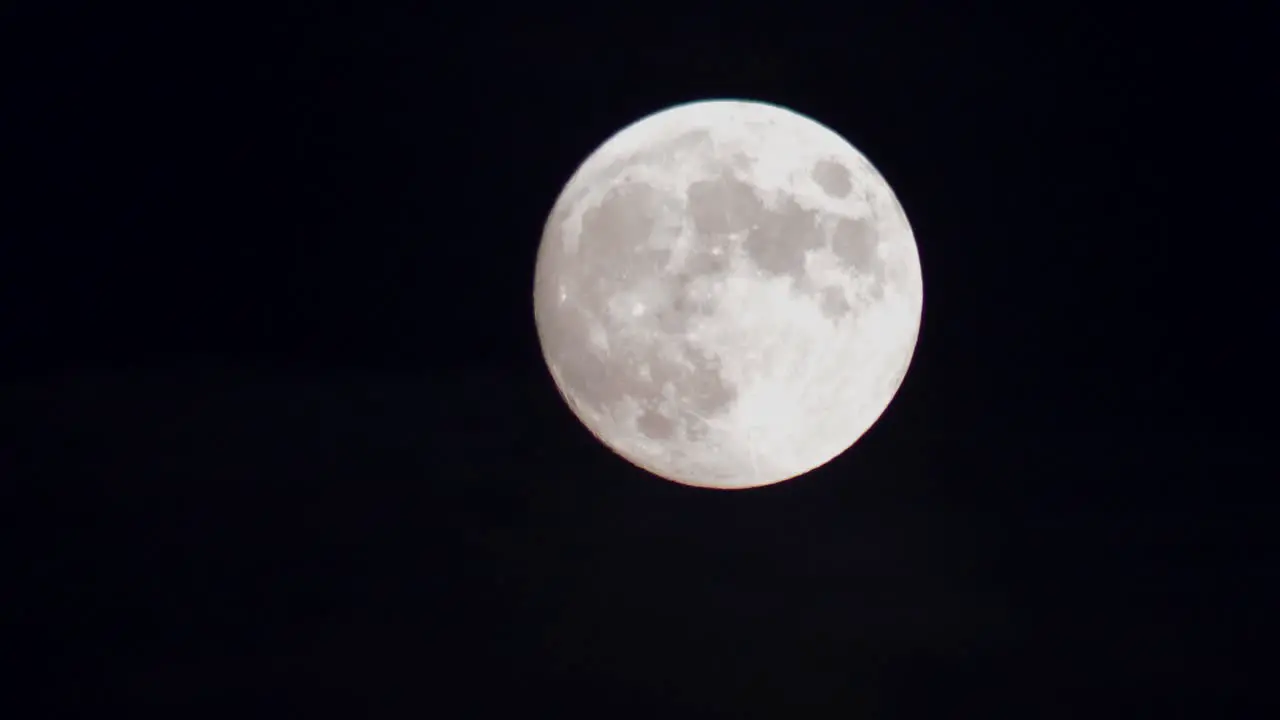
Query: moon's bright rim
{"points": [[807, 385]]}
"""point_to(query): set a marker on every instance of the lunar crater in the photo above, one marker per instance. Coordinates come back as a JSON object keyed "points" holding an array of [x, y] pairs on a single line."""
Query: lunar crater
{"points": [[833, 177]]}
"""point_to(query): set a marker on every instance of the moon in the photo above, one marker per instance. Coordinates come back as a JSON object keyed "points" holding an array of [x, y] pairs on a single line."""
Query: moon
{"points": [[727, 294]]}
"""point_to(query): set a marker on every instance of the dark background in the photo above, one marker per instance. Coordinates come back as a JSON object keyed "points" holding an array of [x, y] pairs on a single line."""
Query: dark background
{"points": [[279, 439]]}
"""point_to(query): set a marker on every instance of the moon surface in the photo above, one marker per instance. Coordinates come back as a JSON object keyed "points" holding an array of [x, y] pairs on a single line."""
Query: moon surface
{"points": [[727, 294]]}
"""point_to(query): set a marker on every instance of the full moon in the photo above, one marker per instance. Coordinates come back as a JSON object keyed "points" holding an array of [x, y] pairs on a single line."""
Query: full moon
{"points": [[727, 294]]}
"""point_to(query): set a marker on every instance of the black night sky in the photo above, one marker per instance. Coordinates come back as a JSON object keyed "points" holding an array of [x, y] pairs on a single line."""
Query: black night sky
{"points": [[280, 441]]}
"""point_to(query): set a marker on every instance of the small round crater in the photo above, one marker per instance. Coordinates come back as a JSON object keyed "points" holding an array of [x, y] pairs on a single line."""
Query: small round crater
{"points": [[834, 178]]}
